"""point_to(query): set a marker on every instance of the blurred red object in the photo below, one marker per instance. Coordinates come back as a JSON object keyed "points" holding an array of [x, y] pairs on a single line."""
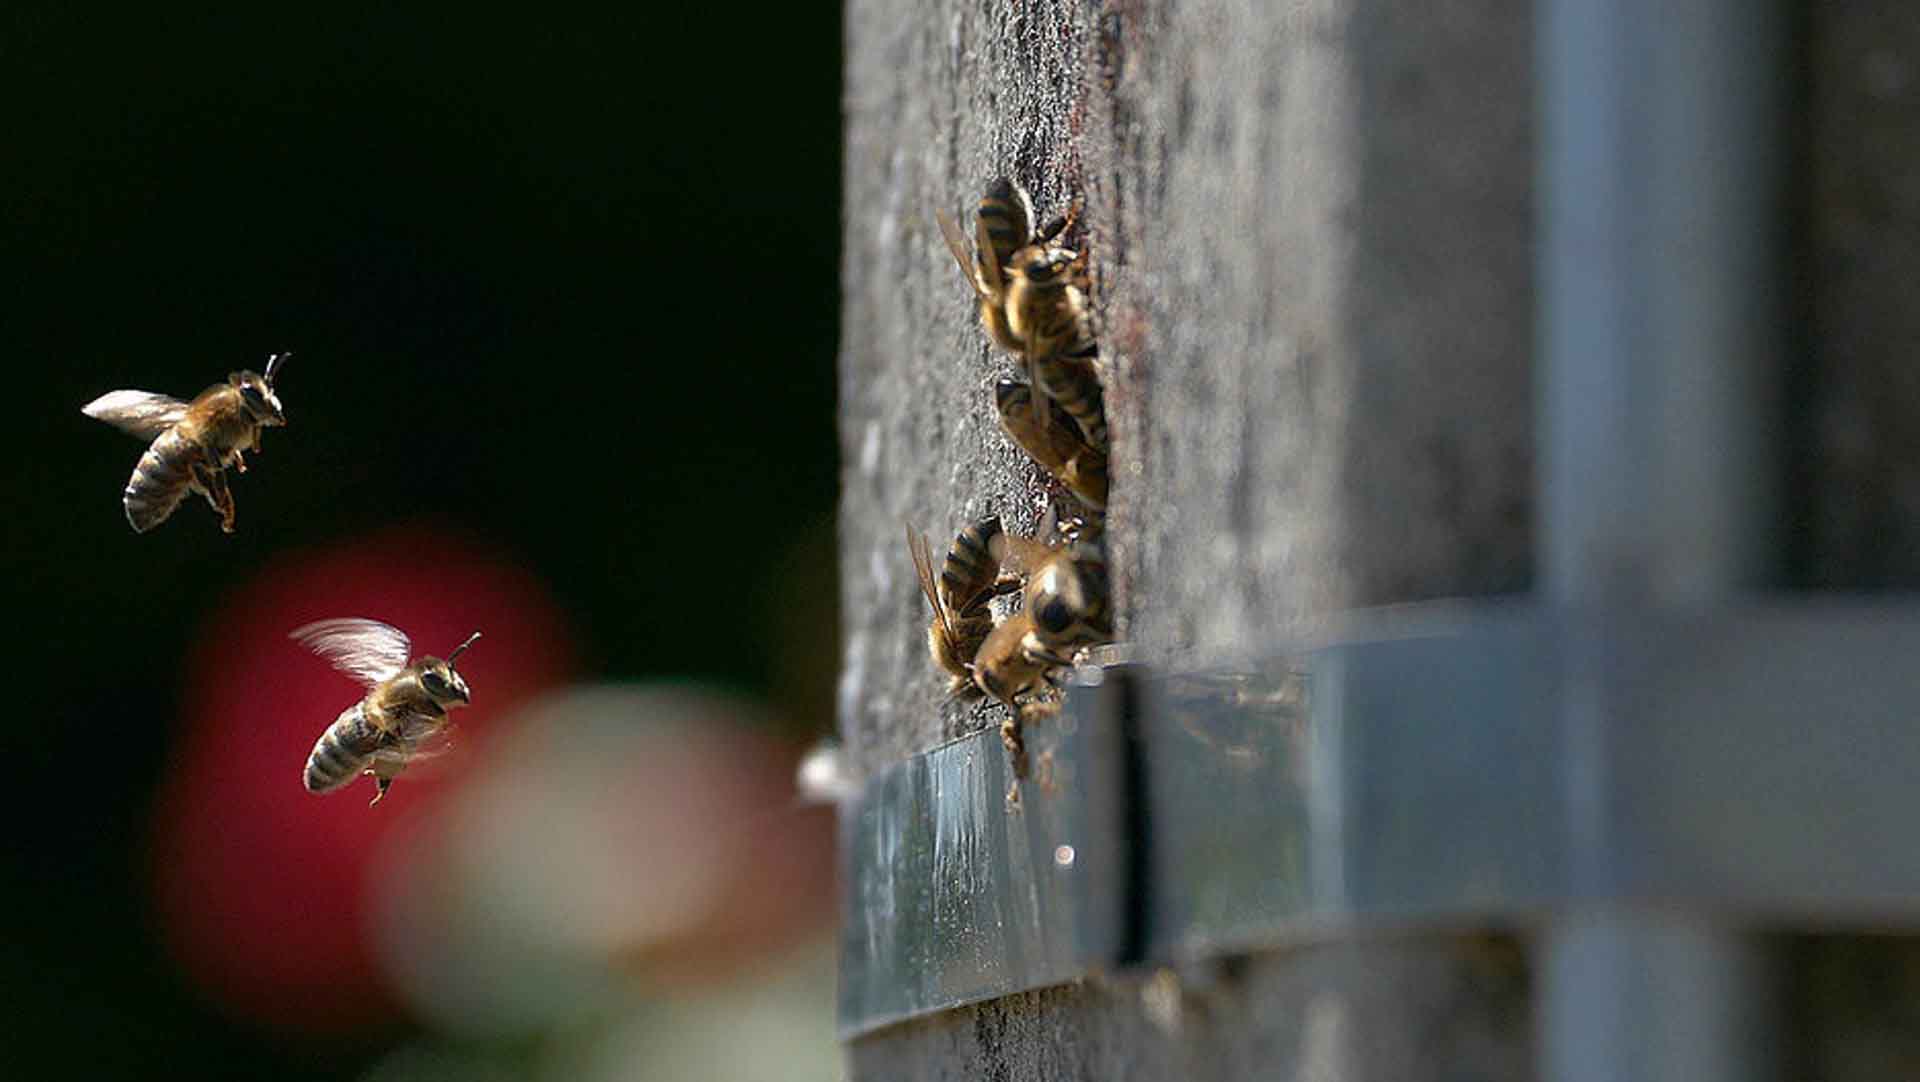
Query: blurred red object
{"points": [[262, 887]]}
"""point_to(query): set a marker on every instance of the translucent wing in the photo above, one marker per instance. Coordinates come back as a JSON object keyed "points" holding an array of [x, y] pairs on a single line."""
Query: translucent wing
{"points": [[367, 650], [392, 760], [137, 413], [923, 568], [1042, 416], [957, 244], [988, 258]]}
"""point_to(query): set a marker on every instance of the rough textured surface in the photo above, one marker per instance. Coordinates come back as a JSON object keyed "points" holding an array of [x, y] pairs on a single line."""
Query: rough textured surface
{"points": [[1319, 313], [1311, 233], [1310, 228]]}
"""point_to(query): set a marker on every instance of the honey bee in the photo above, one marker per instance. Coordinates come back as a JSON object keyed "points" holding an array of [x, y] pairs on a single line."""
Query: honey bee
{"points": [[1014, 666], [193, 443], [1059, 447], [1003, 227], [969, 578], [1047, 312], [403, 715], [1064, 609]]}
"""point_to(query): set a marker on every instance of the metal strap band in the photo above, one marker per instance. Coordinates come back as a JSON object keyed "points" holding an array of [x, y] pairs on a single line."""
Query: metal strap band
{"points": [[1434, 766]]}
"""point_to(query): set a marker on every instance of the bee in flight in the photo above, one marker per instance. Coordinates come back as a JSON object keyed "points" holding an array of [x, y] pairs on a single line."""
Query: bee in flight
{"points": [[969, 578], [193, 443], [403, 715]]}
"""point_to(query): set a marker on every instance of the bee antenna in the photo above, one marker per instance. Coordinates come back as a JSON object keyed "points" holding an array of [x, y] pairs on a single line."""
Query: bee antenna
{"points": [[459, 648], [274, 361]]}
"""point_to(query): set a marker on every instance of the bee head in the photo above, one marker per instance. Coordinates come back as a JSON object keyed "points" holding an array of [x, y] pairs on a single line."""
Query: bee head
{"points": [[1046, 264], [442, 681], [256, 393]]}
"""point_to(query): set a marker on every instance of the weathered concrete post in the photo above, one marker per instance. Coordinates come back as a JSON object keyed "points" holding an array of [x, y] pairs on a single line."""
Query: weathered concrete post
{"points": [[1310, 224], [1312, 227]]}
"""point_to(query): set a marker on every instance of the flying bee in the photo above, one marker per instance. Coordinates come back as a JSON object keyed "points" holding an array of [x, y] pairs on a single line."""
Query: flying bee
{"points": [[403, 714], [969, 578], [1058, 447], [193, 443], [1003, 226]]}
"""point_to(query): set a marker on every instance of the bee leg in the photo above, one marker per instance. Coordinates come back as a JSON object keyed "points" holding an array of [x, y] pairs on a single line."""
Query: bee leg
{"points": [[381, 784], [1063, 223], [213, 481], [1016, 743]]}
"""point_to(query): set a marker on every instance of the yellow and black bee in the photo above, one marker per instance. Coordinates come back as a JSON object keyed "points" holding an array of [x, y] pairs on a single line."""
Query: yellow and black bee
{"points": [[403, 715], [1059, 447], [969, 578], [193, 443]]}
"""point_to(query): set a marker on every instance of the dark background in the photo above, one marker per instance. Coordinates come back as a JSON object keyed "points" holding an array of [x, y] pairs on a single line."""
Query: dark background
{"points": [[565, 283]]}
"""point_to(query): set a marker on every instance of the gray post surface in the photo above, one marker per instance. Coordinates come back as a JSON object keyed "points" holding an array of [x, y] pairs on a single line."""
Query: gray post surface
{"points": [[1310, 225], [1313, 232]]}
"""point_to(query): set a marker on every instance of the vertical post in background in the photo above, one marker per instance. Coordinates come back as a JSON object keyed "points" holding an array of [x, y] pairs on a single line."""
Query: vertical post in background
{"points": [[1662, 163]]}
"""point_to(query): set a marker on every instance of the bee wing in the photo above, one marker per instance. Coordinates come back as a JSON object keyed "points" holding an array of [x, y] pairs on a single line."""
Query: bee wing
{"points": [[957, 244], [432, 746], [367, 650], [137, 413], [923, 568], [1042, 414], [988, 259]]}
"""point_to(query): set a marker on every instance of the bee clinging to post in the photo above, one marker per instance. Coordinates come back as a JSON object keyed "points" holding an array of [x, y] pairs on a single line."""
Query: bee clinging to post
{"points": [[1064, 609], [192, 443], [403, 713], [1066, 596], [1047, 311], [969, 578], [1033, 303], [1003, 227], [1059, 447]]}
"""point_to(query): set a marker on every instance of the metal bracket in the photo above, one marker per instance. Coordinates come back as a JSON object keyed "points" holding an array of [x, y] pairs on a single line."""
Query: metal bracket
{"points": [[1430, 766]]}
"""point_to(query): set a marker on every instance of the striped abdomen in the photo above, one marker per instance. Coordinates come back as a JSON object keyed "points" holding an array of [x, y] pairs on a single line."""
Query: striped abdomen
{"points": [[160, 480], [1058, 447], [1006, 221], [1069, 380], [343, 751], [971, 567]]}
